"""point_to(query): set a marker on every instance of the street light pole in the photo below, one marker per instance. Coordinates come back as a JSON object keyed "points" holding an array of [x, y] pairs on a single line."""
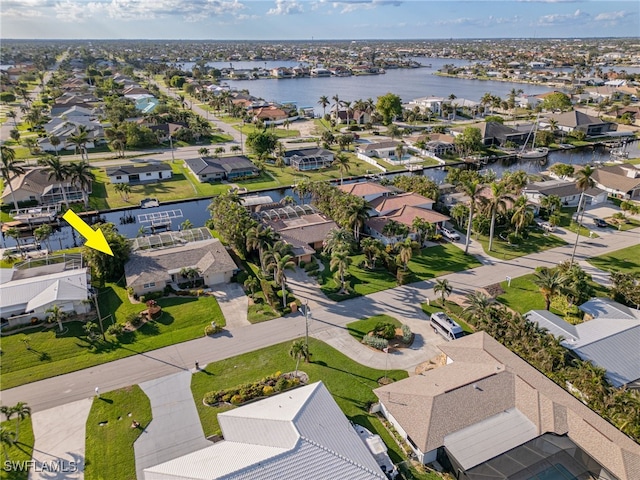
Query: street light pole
{"points": [[306, 324]]}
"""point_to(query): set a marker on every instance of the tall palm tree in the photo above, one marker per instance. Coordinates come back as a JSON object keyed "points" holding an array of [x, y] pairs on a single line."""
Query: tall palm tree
{"points": [[339, 263], [338, 239], [8, 438], [14, 233], [479, 307], [336, 99], [42, 234], [324, 103], [522, 214], [342, 162], [405, 251], [278, 263], [22, 411], [584, 182], [347, 106], [191, 273], [299, 350], [423, 229], [81, 175], [79, 140], [261, 238], [10, 167], [357, 212], [55, 142], [399, 152], [497, 202], [59, 172], [472, 188], [124, 189], [550, 282], [443, 287], [56, 315]]}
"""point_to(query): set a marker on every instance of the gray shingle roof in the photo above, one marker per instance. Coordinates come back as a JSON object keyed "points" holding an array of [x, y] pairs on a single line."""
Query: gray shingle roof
{"points": [[217, 165], [137, 169]]}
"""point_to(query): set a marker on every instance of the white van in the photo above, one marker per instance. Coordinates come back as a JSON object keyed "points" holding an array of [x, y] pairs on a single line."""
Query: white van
{"points": [[446, 327]]}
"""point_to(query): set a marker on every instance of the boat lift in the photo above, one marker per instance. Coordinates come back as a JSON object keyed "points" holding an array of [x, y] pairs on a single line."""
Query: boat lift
{"points": [[160, 220]]}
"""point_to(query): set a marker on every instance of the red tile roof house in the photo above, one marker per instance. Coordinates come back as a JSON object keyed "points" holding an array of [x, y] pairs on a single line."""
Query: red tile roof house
{"points": [[488, 414]]}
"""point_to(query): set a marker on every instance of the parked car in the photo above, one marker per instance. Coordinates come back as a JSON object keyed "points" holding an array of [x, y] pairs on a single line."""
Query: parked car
{"points": [[600, 223], [449, 234]]}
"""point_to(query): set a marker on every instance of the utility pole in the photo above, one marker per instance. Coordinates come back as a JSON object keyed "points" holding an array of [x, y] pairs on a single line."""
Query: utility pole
{"points": [[95, 299], [306, 325]]}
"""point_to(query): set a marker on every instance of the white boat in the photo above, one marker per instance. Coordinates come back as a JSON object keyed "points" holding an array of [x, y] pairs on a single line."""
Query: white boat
{"points": [[149, 203], [35, 215], [533, 152], [378, 449]]}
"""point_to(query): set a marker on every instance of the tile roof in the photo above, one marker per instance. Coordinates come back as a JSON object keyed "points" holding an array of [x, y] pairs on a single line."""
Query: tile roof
{"points": [[299, 434], [360, 189], [485, 378], [209, 256], [395, 202]]}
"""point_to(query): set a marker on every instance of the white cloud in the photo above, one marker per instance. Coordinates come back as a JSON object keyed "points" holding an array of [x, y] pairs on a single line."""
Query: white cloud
{"points": [[286, 7], [483, 22], [576, 18], [611, 16], [348, 6], [21, 13]]}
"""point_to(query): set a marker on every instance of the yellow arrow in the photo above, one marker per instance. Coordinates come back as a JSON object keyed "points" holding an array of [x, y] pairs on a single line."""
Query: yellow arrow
{"points": [[95, 238]]}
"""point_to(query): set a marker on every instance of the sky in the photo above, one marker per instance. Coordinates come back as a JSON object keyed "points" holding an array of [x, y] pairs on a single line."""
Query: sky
{"points": [[317, 19]]}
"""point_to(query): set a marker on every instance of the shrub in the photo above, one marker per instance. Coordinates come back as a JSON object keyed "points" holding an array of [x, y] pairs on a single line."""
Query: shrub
{"points": [[267, 390], [237, 399], [375, 342], [406, 334], [135, 319], [116, 329], [212, 329], [514, 238], [385, 330], [281, 384], [168, 289], [269, 294]]}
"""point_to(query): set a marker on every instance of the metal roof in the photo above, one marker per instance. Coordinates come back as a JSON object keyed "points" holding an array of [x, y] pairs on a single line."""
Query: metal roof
{"points": [[484, 440], [553, 323]]}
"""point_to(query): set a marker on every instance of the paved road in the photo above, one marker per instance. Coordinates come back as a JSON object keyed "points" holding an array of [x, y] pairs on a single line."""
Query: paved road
{"points": [[402, 302]]}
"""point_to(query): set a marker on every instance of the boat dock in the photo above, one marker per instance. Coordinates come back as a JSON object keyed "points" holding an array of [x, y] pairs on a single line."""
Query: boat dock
{"points": [[160, 220]]}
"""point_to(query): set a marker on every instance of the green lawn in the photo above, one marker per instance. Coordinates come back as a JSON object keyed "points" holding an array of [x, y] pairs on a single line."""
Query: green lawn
{"points": [[523, 295], [360, 328], [20, 451], [109, 447], [51, 354], [626, 260], [630, 224], [279, 132], [350, 383], [536, 242], [566, 222], [429, 263], [261, 311]]}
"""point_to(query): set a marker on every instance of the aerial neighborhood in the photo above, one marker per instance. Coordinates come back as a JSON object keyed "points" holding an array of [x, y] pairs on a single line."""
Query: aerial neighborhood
{"points": [[211, 271]]}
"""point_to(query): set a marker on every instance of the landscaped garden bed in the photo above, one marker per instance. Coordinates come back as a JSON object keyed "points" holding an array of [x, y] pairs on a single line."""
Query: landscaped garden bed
{"points": [[272, 384], [381, 331]]}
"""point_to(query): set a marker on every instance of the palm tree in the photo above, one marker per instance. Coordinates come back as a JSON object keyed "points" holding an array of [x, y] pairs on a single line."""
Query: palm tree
{"points": [[357, 212], [399, 152], [191, 273], [14, 233], [7, 438], [124, 189], [299, 350], [342, 162], [79, 140], [13, 115], [10, 167], [584, 182], [56, 315], [336, 99], [42, 234], [522, 214], [497, 201], [550, 282], [442, 287], [261, 238], [278, 263], [252, 285], [54, 141], [7, 411], [422, 229], [22, 411], [472, 189], [405, 251], [372, 249], [479, 307], [339, 263], [338, 239], [551, 203], [81, 175], [324, 103], [60, 172]]}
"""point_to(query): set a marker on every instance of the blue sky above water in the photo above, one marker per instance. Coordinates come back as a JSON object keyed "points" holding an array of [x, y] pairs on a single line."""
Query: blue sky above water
{"points": [[317, 19]]}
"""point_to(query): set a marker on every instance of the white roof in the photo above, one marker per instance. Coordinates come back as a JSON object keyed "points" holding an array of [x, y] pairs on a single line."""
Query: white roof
{"points": [[297, 434], [61, 291], [489, 438], [16, 294]]}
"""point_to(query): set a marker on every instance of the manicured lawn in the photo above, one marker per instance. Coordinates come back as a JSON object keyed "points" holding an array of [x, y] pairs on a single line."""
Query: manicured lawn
{"points": [[566, 222], [261, 311], [523, 295], [109, 448], [630, 224], [537, 241], [279, 132], [51, 354], [362, 327], [626, 260], [350, 383], [20, 451], [429, 263]]}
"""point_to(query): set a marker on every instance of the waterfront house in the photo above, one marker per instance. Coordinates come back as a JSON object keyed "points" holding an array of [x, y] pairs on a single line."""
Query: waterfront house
{"points": [[269, 114], [380, 149], [609, 338], [494, 133], [621, 181], [135, 174], [35, 185], [568, 192], [207, 169], [430, 104], [486, 413], [577, 121], [30, 291], [153, 269], [308, 158], [297, 434], [367, 190]]}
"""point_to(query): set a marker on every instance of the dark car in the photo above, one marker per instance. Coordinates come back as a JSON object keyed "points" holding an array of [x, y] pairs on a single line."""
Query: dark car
{"points": [[600, 223]]}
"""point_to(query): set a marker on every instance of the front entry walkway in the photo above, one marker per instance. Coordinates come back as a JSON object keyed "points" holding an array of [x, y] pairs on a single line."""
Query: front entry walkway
{"points": [[175, 429]]}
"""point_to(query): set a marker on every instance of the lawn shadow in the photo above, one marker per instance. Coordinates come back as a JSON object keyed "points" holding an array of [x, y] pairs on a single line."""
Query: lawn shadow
{"points": [[105, 400]]}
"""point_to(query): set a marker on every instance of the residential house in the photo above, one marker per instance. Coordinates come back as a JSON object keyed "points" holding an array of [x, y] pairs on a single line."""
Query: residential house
{"points": [[301, 226], [270, 114], [152, 270], [435, 144], [208, 169], [165, 131], [35, 184], [494, 133], [367, 190], [309, 158], [301, 433], [568, 192], [621, 181], [577, 121], [430, 104], [380, 149], [135, 174], [486, 413], [31, 291], [609, 338]]}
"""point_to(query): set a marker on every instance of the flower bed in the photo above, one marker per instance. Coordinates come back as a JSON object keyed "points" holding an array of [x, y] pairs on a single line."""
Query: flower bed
{"points": [[275, 383]]}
